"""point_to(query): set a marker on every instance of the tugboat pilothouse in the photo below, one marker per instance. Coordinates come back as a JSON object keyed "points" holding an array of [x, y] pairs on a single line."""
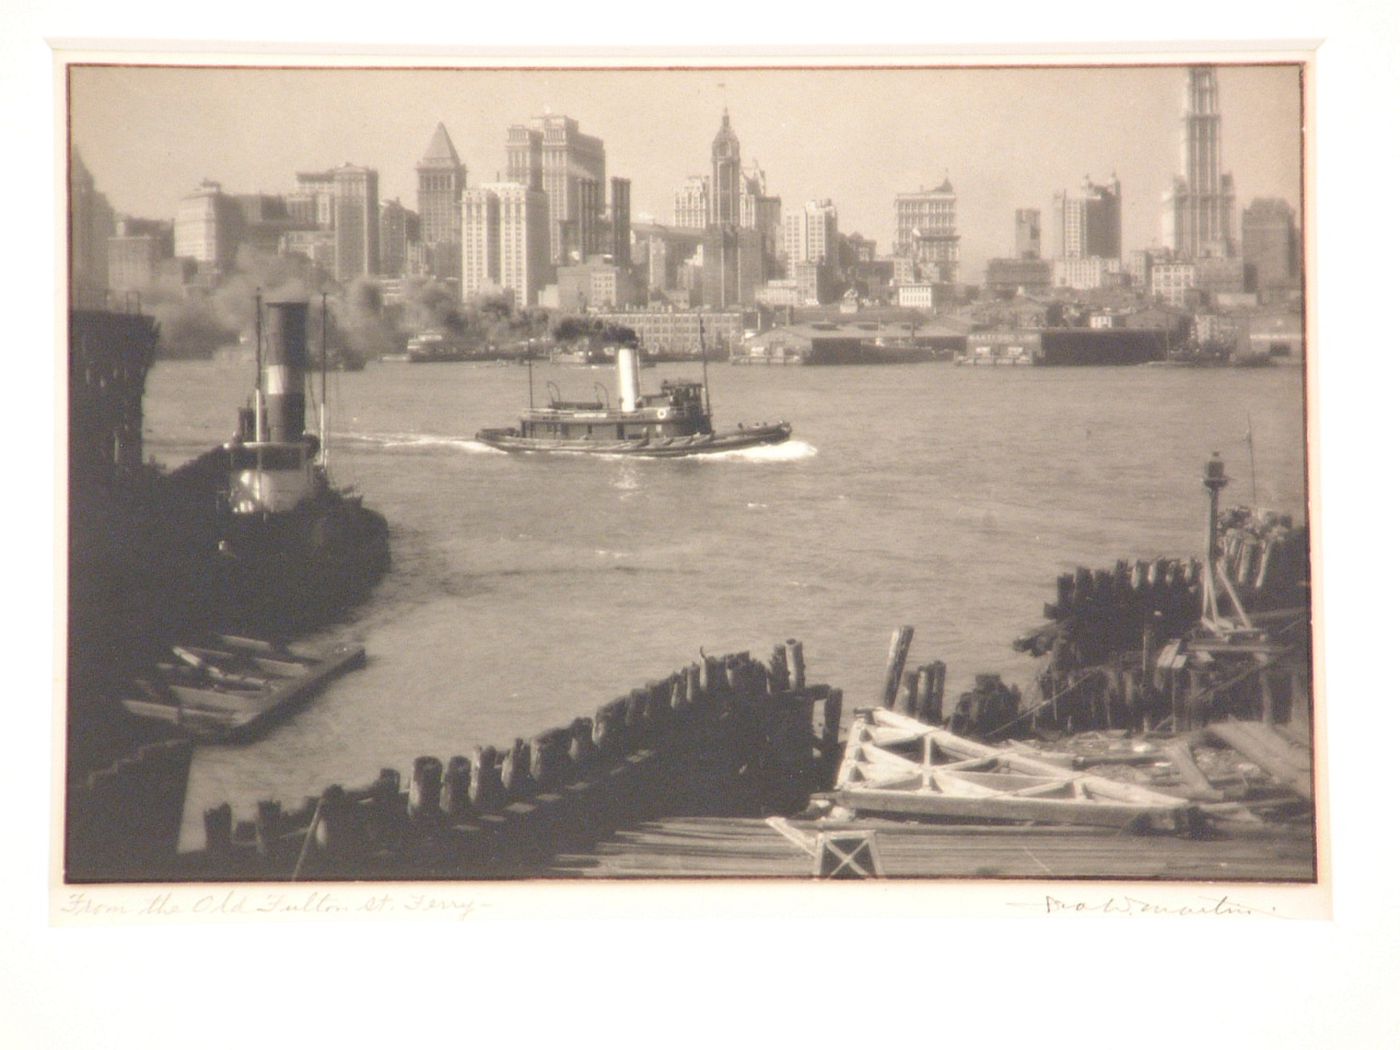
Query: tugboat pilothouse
{"points": [[674, 422]]}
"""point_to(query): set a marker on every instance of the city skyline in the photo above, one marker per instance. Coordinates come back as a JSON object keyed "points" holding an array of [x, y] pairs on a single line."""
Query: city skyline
{"points": [[1005, 138]]}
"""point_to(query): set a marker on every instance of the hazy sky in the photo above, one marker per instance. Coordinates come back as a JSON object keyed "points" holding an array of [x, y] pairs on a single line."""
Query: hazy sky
{"points": [[1008, 138]]}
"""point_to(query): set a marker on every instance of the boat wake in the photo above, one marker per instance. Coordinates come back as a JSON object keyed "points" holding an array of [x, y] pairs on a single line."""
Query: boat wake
{"points": [[789, 451], [423, 441]]}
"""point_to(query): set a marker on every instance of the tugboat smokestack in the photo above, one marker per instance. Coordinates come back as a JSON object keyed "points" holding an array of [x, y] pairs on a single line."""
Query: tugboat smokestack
{"points": [[629, 378], [286, 371]]}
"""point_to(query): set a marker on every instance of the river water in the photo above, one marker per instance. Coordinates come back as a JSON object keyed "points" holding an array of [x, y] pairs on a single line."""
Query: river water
{"points": [[527, 590]]}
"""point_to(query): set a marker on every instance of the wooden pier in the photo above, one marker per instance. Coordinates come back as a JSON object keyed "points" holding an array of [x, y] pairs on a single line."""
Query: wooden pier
{"points": [[735, 768]]}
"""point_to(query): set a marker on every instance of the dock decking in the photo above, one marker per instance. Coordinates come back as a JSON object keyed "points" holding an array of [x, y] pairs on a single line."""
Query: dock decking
{"points": [[749, 848]]}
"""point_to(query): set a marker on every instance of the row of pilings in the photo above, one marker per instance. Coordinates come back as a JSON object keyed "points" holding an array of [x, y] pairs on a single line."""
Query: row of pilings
{"points": [[1106, 629], [727, 735]]}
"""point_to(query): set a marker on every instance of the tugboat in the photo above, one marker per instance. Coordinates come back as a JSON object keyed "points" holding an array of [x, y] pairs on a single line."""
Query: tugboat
{"points": [[674, 422], [292, 548]]}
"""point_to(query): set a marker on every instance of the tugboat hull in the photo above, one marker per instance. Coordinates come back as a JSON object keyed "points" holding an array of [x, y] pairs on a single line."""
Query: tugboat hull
{"points": [[510, 440]]}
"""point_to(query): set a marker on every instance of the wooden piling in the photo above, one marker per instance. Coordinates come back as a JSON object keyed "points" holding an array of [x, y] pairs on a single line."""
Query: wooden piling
{"points": [[906, 699], [581, 747], [938, 675], [549, 753], [894, 665], [831, 722], [1064, 594], [515, 770], [425, 788], [733, 676], [609, 727], [218, 829], [332, 830], [266, 825], [456, 784], [778, 676], [923, 694], [797, 665], [711, 678], [486, 792], [636, 718]]}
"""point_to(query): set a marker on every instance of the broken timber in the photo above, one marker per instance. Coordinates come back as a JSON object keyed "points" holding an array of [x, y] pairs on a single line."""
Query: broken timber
{"points": [[1283, 759], [895, 765]]}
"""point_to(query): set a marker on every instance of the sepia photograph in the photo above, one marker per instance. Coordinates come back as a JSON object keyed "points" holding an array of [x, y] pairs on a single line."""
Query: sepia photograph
{"points": [[661, 472]]}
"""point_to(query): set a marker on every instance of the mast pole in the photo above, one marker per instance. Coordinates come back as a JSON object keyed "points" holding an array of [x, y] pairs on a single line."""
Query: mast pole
{"points": [[1249, 440], [257, 356], [704, 366], [530, 371], [325, 448]]}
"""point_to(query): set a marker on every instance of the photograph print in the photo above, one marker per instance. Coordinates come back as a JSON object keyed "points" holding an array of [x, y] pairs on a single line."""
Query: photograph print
{"points": [[733, 472]]}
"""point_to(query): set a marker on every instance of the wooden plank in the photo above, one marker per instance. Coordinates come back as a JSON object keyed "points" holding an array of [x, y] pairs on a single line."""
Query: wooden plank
{"points": [[1268, 741], [1059, 811], [1198, 786], [801, 839], [1251, 742]]}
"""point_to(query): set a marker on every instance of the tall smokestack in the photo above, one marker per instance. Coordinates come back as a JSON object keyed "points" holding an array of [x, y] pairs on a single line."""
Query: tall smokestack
{"points": [[629, 378], [285, 374]]}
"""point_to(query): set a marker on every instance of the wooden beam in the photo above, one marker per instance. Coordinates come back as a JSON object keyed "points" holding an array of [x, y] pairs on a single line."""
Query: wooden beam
{"points": [[1290, 766], [1198, 786], [894, 666], [802, 840], [1044, 810], [1097, 786]]}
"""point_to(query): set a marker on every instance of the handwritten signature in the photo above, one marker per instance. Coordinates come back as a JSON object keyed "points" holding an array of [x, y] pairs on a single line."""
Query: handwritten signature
{"points": [[1123, 904]]}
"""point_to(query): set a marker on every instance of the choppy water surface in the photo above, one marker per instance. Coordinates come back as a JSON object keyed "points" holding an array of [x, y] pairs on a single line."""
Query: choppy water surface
{"points": [[526, 590]]}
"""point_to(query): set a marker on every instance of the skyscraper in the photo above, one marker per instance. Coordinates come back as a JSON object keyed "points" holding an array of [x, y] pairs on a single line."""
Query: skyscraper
{"points": [[207, 229], [399, 227], [356, 222], [809, 235], [441, 179], [553, 155], [91, 222], [481, 241], [525, 156], [733, 266], [1028, 233], [620, 221], [926, 230], [505, 240], [1198, 210], [726, 178], [691, 207], [1089, 224], [1269, 244]]}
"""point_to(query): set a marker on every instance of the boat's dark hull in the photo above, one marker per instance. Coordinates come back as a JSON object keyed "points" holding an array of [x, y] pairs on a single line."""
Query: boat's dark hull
{"points": [[693, 445]]}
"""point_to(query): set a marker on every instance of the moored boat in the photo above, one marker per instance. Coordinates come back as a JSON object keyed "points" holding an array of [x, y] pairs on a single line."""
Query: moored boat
{"points": [[291, 546], [230, 688], [673, 422]]}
